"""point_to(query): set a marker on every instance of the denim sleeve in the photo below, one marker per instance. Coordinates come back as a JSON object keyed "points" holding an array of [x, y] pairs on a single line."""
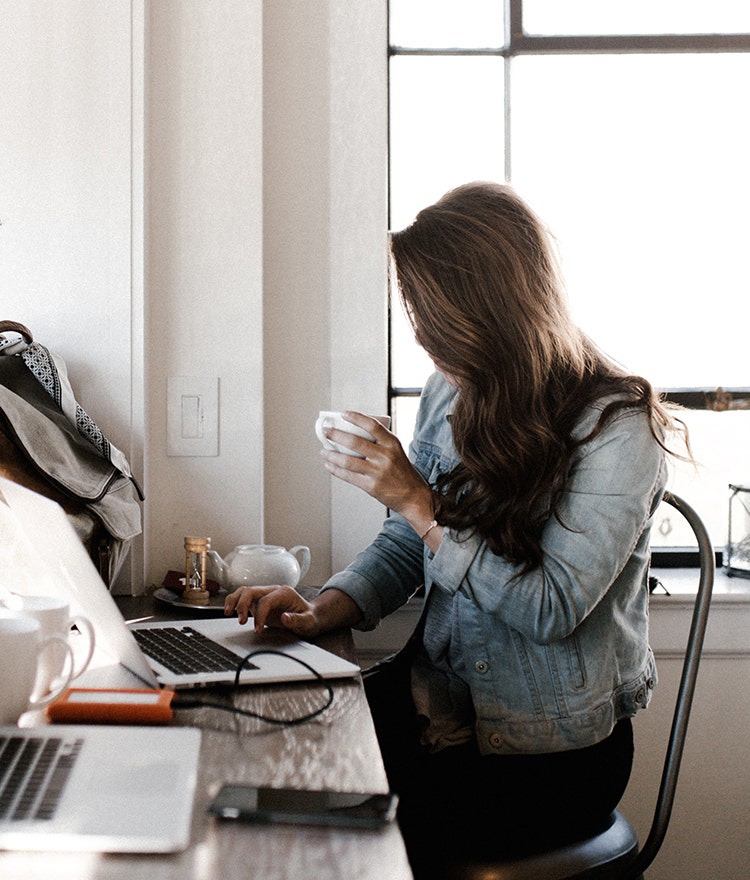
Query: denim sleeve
{"points": [[384, 575], [613, 488]]}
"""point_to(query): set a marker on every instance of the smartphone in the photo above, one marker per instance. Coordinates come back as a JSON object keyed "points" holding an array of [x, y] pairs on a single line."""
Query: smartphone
{"points": [[296, 806]]}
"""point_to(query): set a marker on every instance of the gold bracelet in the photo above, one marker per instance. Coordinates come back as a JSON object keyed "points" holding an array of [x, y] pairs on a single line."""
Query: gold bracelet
{"points": [[430, 527]]}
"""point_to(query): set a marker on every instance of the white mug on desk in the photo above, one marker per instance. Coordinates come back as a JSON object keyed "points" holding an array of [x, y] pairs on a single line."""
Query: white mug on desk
{"points": [[54, 619], [22, 649], [332, 419]]}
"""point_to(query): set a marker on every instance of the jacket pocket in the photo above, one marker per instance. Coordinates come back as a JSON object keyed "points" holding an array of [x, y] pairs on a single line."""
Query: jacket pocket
{"points": [[576, 666]]}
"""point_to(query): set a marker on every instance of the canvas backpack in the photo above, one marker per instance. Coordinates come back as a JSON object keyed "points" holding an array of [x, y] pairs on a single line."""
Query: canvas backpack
{"points": [[51, 445]]}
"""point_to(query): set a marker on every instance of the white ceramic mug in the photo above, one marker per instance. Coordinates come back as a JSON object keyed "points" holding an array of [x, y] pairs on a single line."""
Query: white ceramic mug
{"points": [[332, 419], [54, 618], [22, 649]]}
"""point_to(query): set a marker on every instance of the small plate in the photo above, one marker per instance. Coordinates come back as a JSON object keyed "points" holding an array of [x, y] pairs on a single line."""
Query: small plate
{"points": [[215, 601]]}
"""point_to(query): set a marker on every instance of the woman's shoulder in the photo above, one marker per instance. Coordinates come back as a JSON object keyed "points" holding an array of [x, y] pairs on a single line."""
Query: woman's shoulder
{"points": [[432, 424], [437, 396], [623, 413]]}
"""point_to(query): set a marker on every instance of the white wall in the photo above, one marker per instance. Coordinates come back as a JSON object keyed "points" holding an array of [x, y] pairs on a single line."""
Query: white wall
{"points": [[183, 195], [265, 234], [204, 290], [324, 261], [707, 835], [67, 224]]}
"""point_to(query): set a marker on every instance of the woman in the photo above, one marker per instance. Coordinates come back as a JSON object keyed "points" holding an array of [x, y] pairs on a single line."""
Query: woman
{"points": [[524, 509]]}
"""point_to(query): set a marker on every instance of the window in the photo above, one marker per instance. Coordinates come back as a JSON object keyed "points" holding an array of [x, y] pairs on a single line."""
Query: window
{"points": [[626, 126]]}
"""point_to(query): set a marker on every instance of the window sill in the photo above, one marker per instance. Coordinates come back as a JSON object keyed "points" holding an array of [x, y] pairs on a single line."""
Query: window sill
{"points": [[684, 582]]}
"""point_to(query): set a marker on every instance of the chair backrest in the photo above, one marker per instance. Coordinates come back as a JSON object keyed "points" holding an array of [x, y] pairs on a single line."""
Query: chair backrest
{"points": [[686, 690]]}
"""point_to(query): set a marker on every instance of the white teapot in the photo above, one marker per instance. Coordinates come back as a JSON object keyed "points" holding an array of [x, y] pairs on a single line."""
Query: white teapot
{"points": [[252, 565]]}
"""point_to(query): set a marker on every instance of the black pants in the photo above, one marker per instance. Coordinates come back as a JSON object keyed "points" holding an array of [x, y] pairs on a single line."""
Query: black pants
{"points": [[457, 804]]}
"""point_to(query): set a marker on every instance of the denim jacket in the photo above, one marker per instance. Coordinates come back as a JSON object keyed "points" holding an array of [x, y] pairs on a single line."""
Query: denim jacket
{"points": [[555, 657]]}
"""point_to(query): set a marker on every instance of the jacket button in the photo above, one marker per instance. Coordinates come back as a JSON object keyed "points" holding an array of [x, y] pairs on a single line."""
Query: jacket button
{"points": [[640, 695], [650, 684], [496, 741], [481, 666]]}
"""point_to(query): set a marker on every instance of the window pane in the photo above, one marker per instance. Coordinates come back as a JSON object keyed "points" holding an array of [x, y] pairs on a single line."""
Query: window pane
{"points": [[587, 17], [446, 128], [404, 413], [639, 165], [410, 364], [431, 24], [719, 441]]}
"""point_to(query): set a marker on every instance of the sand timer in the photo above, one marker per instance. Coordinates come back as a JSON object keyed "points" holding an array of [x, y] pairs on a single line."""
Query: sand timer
{"points": [[195, 570]]}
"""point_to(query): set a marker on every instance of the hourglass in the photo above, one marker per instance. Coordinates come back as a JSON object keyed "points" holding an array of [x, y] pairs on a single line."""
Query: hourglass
{"points": [[195, 571]]}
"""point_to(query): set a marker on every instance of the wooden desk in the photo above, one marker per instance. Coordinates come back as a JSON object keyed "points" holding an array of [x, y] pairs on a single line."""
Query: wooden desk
{"points": [[336, 750]]}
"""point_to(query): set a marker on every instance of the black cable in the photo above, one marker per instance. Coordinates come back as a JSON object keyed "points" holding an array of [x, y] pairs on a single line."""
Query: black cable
{"points": [[181, 703]]}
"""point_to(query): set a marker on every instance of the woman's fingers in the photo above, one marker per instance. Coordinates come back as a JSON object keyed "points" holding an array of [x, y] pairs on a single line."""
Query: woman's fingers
{"points": [[265, 605], [361, 445]]}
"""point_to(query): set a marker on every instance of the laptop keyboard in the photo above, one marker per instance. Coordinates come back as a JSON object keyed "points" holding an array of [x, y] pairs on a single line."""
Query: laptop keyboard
{"points": [[33, 773], [185, 650]]}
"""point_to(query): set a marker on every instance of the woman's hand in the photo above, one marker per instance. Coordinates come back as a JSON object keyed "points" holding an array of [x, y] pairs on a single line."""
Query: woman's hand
{"points": [[283, 607], [269, 606], [385, 472]]}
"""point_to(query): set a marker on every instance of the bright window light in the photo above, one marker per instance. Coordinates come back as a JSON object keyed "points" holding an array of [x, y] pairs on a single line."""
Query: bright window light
{"points": [[637, 162]]}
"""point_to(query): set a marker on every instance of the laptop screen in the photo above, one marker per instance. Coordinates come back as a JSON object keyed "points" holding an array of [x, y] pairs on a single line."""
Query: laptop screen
{"points": [[41, 555]]}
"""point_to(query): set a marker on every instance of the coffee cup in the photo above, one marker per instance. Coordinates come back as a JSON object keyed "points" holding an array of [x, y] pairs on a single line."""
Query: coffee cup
{"points": [[22, 649], [54, 618], [332, 419]]}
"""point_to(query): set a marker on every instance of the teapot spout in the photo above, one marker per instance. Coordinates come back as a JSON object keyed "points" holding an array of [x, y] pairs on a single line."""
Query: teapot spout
{"points": [[220, 568]]}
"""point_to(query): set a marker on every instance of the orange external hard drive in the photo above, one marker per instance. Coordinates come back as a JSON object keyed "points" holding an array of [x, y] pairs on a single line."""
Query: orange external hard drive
{"points": [[115, 706]]}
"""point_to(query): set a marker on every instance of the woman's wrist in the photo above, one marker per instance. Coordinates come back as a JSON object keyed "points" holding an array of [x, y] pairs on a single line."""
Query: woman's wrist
{"points": [[430, 527], [335, 609], [421, 517]]}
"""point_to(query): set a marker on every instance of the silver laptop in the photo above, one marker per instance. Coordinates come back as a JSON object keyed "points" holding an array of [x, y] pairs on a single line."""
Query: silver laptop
{"points": [[97, 789], [40, 554]]}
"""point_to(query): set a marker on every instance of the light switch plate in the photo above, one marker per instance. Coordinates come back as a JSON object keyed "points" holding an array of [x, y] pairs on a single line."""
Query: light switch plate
{"points": [[192, 415]]}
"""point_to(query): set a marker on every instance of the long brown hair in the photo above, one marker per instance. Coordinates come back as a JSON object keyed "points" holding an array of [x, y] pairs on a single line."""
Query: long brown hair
{"points": [[479, 281]]}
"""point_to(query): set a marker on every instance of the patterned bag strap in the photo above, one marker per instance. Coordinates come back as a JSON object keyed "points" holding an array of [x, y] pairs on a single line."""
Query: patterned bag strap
{"points": [[14, 337], [51, 372]]}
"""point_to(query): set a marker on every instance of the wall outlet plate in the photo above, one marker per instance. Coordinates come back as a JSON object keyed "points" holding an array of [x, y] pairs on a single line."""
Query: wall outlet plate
{"points": [[192, 416]]}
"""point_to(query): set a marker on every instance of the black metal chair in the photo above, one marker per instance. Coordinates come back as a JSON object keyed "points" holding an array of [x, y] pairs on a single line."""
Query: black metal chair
{"points": [[614, 853]]}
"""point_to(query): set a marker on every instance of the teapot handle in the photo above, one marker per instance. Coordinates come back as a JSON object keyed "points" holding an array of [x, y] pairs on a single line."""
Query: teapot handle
{"points": [[303, 559]]}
